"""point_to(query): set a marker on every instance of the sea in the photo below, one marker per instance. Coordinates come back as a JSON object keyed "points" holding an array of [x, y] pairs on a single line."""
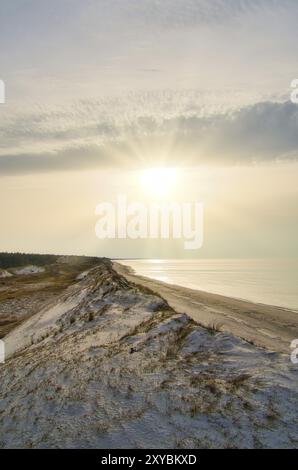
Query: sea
{"points": [[266, 281]]}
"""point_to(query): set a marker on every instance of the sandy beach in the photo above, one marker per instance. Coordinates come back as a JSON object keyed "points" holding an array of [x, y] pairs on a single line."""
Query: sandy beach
{"points": [[266, 326]]}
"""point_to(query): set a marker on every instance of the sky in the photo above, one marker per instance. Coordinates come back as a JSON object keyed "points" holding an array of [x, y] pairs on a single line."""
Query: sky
{"points": [[101, 90]]}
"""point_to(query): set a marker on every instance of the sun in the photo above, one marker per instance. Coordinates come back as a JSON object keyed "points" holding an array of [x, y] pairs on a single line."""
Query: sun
{"points": [[158, 182]]}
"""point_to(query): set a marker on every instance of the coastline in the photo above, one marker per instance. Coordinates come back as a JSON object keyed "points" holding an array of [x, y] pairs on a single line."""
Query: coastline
{"points": [[266, 326]]}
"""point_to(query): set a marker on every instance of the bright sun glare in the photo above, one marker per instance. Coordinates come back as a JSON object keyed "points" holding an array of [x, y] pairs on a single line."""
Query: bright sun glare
{"points": [[158, 181]]}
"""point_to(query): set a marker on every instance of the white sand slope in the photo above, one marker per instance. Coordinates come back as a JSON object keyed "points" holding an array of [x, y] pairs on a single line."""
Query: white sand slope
{"points": [[27, 270], [4, 273], [40, 325]]}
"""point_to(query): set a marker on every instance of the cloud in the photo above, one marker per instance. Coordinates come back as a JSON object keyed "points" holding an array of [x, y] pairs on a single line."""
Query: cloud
{"points": [[266, 131], [183, 13], [86, 138]]}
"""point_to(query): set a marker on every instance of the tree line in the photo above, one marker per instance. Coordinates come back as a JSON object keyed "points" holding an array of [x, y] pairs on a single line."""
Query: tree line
{"points": [[13, 260]]}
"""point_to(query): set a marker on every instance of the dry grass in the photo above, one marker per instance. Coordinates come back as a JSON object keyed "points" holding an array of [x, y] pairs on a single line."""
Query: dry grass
{"points": [[22, 296], [239, 380], [6, 325]]}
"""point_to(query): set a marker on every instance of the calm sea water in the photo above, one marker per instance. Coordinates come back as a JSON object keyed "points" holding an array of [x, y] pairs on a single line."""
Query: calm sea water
{"points": [[273, 282]]}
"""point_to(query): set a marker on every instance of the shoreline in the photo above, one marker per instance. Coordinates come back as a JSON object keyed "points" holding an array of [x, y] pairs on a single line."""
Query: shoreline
{"points": [[267, 326]]}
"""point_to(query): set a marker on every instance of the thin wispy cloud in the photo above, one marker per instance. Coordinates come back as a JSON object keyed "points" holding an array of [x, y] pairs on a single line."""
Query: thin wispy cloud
{"points": [[74, 50]]}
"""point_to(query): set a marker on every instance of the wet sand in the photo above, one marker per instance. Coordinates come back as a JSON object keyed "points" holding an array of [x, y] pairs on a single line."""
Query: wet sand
{"points": [[266, 326]]}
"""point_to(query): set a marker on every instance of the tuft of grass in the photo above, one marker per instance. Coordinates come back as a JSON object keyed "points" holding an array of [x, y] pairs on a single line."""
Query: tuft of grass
{"points": [[238, 380], [214, 328], [91, 316], [211, 387]]}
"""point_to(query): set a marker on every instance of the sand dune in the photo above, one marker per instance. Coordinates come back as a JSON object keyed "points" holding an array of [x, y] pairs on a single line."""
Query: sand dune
{"points": [[113, 365]]}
